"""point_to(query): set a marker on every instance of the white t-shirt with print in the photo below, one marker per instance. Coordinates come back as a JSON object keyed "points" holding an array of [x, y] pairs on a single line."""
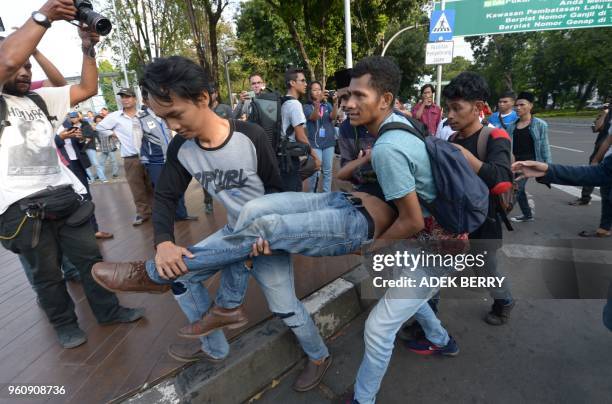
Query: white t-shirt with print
{"points": [[28, 158]]}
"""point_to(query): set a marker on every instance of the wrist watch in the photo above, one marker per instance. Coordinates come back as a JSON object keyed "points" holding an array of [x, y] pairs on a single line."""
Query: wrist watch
{"points": [[41, 19]]}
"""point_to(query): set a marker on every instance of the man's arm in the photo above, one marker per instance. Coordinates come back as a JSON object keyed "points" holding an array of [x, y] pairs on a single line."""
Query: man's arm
{"points": [[595, 175], [107, 125], [88, 87], [346, 172], [601, 120], [173, 182], [300, 136], [54, 77], [17, 47], [409, 220], [603, 148]]}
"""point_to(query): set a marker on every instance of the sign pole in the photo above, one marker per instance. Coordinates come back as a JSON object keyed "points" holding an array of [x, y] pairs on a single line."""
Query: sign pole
{"points": [[347, 34], [439, 72]]}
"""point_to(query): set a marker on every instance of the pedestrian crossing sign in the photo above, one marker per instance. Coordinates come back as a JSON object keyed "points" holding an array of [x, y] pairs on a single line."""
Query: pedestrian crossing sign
{"points": [[441, 25]]}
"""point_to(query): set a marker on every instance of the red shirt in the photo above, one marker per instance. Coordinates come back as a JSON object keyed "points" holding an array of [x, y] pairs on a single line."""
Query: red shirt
{"points": [[431, 116]]}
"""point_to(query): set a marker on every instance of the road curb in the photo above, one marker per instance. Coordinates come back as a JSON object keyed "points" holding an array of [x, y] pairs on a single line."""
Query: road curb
{"points": [[261, 354]]}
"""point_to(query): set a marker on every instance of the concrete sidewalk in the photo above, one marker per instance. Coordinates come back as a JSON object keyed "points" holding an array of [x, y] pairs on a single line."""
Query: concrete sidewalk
{"points": [[551, 352]]}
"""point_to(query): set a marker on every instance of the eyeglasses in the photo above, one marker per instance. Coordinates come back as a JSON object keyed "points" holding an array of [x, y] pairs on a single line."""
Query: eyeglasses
{"points": [[256, 82], [302, 80]]}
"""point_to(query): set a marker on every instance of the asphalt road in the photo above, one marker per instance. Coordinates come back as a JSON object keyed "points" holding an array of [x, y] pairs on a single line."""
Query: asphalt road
{"points": [[555, 349]]}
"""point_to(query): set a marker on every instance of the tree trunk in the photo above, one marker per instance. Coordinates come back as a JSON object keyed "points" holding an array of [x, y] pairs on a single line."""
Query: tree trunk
{"points": [[195, 32], [302, 49]]}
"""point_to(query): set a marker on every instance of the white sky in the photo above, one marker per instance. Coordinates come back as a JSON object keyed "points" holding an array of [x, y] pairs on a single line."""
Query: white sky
{"points": [[62, 45]]}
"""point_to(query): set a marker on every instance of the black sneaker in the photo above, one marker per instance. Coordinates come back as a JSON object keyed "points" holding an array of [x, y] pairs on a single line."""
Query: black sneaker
{"points": [[580, 202], [125, 315], [500, 312], [71, 336]]}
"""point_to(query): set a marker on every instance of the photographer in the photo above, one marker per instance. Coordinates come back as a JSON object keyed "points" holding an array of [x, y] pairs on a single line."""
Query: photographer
{"points": [[42, 215], [244, 104], [320, 116]]}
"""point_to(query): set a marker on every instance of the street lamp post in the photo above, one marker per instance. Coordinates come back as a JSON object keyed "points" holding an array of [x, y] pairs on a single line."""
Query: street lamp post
{"points": [[396, 35], [126, 82], [347, 34], [227, 55], [439, 72]]}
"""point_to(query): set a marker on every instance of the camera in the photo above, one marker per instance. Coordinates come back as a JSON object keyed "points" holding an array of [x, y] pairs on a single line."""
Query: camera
{"points": [[97, 22], [330, 95]]}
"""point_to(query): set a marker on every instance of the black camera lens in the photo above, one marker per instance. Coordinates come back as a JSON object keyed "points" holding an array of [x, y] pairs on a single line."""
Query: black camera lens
{"points": [[100, 24]]}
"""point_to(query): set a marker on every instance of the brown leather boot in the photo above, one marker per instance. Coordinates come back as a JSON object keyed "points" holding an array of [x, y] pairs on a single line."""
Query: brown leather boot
{"points": [[217, 318], [312, 374], [190, 352], [126, 277]]}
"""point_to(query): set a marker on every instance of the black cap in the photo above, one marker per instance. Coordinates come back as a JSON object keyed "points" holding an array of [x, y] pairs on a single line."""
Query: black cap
{"points": [[126, 91]]}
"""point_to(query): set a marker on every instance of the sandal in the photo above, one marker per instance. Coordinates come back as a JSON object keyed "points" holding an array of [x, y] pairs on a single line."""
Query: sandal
{"points": [[591, 234]]}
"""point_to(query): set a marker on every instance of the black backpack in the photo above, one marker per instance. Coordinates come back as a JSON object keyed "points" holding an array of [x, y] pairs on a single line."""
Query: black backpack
{"points": [[266, 112], [35, 97]]}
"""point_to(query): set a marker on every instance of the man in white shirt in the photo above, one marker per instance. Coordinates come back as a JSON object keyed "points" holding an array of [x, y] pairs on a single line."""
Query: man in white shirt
{"points": [[126, 127], [41, 212], [293, 126]]}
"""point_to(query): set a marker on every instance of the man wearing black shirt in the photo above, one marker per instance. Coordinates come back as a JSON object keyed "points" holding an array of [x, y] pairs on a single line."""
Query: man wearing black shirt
{"points": [[465, 97]]}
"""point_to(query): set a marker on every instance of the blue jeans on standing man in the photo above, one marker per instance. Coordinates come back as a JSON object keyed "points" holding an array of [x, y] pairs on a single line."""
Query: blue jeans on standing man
{"points": [[93, 158], [385, 320], [104, 156], [327, 161]]}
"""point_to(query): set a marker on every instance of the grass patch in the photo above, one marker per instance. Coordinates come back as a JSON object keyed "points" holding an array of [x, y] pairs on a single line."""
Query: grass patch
{"points": [[568, 113]]}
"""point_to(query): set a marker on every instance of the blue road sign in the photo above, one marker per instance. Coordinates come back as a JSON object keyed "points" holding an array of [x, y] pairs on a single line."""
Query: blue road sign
{"points": [[441, 25]]}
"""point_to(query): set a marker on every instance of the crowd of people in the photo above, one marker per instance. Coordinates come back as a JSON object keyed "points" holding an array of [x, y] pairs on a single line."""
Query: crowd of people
{"points": [[184, 132]]}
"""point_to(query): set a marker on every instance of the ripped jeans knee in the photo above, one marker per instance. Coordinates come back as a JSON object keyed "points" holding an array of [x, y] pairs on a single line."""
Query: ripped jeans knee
{"points": [[292, 319]]}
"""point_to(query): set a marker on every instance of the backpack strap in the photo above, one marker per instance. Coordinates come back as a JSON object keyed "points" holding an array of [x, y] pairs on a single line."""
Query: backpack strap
{"points": [[3, 112], [400, 126], [40, 103], [483, 140]]}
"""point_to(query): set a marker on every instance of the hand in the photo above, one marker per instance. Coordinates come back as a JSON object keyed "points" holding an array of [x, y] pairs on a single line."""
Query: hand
{"points": [[261, 247], [68, 133], [317, 163], [89, 39], [244, 96], [169, 260], [529, 169], [56, 10], [366, 155]]}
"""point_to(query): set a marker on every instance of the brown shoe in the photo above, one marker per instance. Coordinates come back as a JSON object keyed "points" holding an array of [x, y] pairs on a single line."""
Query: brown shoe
{"points": [[217, 318], [104, 235], [312, 375], [126, 277], [190, 352]]}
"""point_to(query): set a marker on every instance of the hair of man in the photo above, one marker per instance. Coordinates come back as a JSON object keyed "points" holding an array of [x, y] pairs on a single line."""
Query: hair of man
{"points": [[385, 75], [467, 86], [175, 76], [292, 75]]}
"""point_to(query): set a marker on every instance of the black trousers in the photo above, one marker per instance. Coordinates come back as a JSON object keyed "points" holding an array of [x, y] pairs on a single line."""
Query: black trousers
{"points": [[587, 191], [290, 176], [44, 261]]}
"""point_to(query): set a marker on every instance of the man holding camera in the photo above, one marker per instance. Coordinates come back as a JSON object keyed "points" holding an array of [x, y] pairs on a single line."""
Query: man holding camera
{"points": [[42, 215], [244, 105]]}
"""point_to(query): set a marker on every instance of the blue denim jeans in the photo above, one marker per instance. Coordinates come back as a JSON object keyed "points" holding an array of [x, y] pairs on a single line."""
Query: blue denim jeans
{"points": [[383, 323], [194, 300], [521, 198], [104, 156], [275, 277], [93, 158], [327, 161], [325, 224], [607, 311]]}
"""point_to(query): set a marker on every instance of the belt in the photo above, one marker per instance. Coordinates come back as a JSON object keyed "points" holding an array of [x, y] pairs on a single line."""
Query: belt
{"points": [[358, 204], [131, 157]]}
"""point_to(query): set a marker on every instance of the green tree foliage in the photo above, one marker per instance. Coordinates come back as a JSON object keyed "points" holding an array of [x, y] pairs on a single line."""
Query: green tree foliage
{"points": [[104, 66], [567, 65], [452, 70], [310, 33]]}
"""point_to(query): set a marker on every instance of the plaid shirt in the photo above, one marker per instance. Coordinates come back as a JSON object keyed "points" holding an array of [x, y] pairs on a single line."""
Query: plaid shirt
{"points": [[107, 144]]}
